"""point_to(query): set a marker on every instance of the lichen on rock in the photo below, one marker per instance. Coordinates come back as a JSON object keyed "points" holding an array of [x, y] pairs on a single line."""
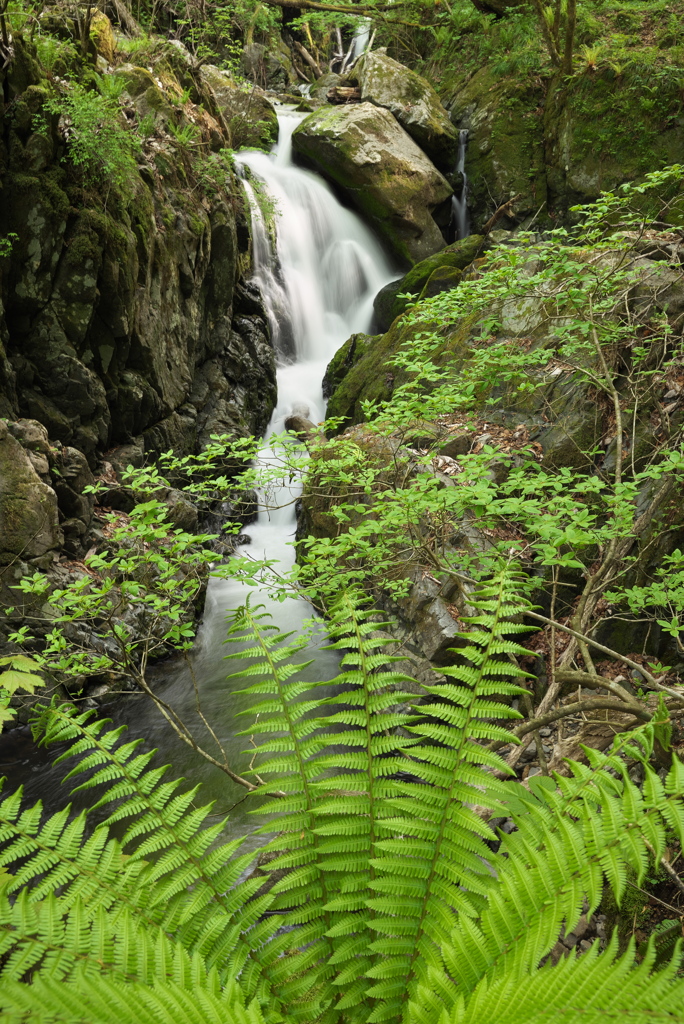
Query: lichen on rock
{"points": [[412, 100], [363, 150]]}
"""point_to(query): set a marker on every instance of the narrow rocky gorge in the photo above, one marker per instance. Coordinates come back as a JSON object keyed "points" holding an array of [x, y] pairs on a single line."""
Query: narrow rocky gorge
{"points": [[349, 349]]}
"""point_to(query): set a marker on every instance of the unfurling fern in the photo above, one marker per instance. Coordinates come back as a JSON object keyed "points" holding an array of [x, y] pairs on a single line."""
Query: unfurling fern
{"points": [[389, 904]]}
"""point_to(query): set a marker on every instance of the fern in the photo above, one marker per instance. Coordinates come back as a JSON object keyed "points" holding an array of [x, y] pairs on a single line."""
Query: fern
{"points": [[434, 864], [595, 825], [388, 903], [163, 873], [326, 829], [590, 989]]}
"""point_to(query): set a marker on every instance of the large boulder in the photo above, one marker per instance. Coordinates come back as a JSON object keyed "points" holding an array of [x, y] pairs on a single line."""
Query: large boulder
{"points": [[28, 507], [249, 117], [412, 100], [437, 273], [362, 149]]}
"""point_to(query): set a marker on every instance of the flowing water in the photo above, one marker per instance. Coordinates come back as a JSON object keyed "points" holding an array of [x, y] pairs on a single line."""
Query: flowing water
{"points": [[460, 222], [318, 288]]}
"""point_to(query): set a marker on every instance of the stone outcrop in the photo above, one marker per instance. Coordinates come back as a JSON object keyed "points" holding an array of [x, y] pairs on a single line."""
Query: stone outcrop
{"points": [[558, 143], [363, 150], [118, 322], [436, 274], [29, 527], [269, 67], [248, 115], [412, 100]]}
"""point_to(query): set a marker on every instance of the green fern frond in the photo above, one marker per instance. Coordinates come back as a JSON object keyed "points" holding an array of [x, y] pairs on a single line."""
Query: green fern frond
{"points": [[572, 834], [163, 871], [434, 868], [588, 989], [102, 1001], [332, 799]]}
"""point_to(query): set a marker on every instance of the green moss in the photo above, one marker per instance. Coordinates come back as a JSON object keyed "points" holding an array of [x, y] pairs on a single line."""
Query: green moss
{"points": [[374, 375], [344, 359], [23, 183], [83, 246], [24, 69], [53, 194]]}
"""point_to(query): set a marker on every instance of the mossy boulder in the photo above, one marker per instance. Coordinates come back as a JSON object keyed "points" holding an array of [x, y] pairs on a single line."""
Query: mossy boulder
{"points": [[28, 507], [602, 129], [363, 150], [343, 360], [23, 69], [437, 273], [143, 92], [102, 36], [249, 117], [412, 100], [367, 371]]}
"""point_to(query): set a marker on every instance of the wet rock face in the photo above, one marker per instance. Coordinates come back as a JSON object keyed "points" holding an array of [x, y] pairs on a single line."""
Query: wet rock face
{"points": [[366, 153], [412, 100], [116, 315]]}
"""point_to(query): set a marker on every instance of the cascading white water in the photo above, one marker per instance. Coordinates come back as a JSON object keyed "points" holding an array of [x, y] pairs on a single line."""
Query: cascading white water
{"points": [[459, 204], [318, 285], [361, 38]]}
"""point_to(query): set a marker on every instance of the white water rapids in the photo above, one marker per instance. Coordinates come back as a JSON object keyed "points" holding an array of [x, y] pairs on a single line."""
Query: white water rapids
{"points": [[318, 288]]}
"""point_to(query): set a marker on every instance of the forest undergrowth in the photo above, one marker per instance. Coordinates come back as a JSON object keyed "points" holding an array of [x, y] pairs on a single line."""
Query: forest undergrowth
{"points": [[388, 890]]}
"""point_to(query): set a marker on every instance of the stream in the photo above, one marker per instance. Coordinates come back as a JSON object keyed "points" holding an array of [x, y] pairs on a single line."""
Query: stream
{"points": [[318, 288]]}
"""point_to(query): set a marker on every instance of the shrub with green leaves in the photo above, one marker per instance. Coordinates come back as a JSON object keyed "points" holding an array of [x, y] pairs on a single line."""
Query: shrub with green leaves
{"points": [[99, 143]]}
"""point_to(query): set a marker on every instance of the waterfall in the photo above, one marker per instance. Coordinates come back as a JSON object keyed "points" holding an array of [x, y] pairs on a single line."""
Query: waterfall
{"points": [[318, 281], [460, 221], [361, 38], [318, 268]]}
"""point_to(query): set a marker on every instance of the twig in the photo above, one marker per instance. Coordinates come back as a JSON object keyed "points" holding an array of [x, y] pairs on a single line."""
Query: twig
{"points": [[650, 679], [502, 211], [665, 864], [590, 704]]}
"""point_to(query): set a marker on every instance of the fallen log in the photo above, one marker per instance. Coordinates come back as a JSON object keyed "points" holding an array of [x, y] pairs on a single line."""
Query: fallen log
{"points": [[344, 94], [503, 211], [313, 64]]}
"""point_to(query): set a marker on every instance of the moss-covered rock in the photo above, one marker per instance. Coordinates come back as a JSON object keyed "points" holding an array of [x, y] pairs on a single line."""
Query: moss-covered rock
{"points": [[412, 100], [437, 273], [269, 67], [603, 129], [102, 36], [559, 142], [28, 507], [366, 153], [116, 316], [343, 360], [505, 155]]}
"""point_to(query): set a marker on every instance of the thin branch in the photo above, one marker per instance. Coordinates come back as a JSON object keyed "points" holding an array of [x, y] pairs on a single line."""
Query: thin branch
{"points": [[578, 708], [650, 679], [665, 864]]}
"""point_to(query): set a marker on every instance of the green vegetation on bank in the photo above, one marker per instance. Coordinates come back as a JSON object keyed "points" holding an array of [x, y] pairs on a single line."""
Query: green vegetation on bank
{"points": [[391, 896]]}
